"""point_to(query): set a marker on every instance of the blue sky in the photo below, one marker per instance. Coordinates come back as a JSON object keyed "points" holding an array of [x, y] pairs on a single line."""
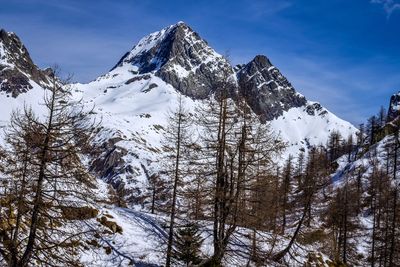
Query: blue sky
{"points": [[344, 54]]}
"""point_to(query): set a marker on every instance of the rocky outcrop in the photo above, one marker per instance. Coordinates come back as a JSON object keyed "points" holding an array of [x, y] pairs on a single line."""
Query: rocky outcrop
{"points": [[17, 70], [109, 162], [13, 82], [266, 90], [394, 107]]}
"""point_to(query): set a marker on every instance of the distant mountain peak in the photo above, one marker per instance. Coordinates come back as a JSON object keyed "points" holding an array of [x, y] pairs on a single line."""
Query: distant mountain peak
{"points": [[17, 70], [153, 50], [180, 23], [262, 60], [12, 48], [179, 56]]}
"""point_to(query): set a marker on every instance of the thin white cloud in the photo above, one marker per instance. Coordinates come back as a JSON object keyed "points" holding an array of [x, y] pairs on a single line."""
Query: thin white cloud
{"points": [[389, 6], [264, 8]]}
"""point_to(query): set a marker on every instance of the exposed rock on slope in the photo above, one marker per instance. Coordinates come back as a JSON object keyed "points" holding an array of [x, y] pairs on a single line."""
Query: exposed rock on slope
{"points": [[17, 70], [267, 91], [394, 107]]}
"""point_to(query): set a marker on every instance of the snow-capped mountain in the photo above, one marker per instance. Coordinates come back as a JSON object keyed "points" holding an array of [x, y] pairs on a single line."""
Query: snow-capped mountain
{"points": [[21, 81], [181, 58], [134, 97]]}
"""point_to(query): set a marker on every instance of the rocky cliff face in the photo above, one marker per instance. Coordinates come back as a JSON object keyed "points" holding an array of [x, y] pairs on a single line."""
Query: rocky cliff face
{"points": [[17, 70], [394, 107], [267, 91]]}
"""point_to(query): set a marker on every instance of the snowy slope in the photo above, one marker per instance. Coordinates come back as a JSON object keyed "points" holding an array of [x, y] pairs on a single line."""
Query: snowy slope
{"points": [[33, 98], [144, 236], [134, 112], [300, 129]]}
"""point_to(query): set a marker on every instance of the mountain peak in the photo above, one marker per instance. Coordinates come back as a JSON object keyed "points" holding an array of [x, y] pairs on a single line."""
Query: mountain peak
{"points": [[180, 23], [153, 50], [3, 33], [179, 56], [262, 60], [17, 69], [12, 49], [264, 86]]}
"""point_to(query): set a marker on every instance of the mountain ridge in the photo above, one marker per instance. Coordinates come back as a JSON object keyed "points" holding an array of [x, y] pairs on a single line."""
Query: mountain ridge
{"points": [[179, 56]]}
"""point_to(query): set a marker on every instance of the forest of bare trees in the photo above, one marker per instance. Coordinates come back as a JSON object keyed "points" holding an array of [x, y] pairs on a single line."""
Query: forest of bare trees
{"points": [[226, 174], [222, 176], [45, 187]]}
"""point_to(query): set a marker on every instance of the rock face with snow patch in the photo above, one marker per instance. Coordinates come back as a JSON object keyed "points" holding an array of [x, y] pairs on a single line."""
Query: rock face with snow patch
{"points": [[181, 58], [394, 107], [266, 90], [17, 69]]}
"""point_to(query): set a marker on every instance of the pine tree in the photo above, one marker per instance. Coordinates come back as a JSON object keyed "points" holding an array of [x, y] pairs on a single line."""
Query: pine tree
{"points": [[188, 242], [285, 191]]}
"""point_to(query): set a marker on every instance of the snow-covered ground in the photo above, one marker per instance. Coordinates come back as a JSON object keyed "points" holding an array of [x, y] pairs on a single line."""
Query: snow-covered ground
{"points": [[144, 237], [300, 129], [31, 99]]}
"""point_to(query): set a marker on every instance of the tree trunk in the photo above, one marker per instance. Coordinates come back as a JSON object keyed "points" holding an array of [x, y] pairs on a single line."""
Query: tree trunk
{"points": [[279, 256], [176, 178], [24, 261]]}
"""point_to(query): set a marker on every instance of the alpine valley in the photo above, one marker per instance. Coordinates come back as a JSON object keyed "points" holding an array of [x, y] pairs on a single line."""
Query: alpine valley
{"points": [[130, 162]]}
